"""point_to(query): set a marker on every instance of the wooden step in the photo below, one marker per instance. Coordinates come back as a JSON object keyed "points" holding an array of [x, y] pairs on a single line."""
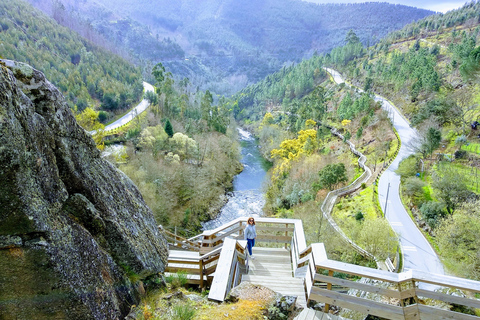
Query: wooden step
{"points": [[284, 285]]}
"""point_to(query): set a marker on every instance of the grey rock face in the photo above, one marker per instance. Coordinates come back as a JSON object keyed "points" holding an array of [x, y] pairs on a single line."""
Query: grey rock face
{"points": [[75, 233]]}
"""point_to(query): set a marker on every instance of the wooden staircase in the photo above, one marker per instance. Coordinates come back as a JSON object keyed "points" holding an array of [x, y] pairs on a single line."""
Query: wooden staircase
{"points": [[272, 268], [291, 268]]}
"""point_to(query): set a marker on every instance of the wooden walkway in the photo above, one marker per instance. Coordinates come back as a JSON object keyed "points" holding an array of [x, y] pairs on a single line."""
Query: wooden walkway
{"points": [[310, 314], [272, 268]]}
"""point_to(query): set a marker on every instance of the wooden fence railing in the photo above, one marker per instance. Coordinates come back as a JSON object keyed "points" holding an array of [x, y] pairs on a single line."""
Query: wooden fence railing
{"points": [[232, 264], [179, 242], [198, 269], [234, 261], [392, 295], [395, 296]]}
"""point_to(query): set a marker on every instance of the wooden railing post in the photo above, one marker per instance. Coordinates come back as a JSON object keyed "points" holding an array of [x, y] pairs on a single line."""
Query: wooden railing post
{"points": [[200, 264], [329, 287], [286, 234]]}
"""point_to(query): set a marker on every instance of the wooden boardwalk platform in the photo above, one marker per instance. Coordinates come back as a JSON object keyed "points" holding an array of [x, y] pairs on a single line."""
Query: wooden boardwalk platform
{"points": [[272, 268]]}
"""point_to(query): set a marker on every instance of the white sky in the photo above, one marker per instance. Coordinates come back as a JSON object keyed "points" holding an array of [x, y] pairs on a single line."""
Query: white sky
{"points": [[434, 5]]}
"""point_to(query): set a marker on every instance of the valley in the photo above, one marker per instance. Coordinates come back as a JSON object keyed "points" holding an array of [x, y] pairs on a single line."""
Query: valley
{"points": [[208, 114]]}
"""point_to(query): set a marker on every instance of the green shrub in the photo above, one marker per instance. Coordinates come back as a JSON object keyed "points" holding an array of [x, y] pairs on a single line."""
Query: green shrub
{"points": [[102, 116], [359, 216], [408, 167], [183, 311], [178, 279], [433, 212]]}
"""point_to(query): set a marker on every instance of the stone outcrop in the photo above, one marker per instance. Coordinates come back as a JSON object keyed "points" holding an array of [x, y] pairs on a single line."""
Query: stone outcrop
{"points": [[75, 233]]}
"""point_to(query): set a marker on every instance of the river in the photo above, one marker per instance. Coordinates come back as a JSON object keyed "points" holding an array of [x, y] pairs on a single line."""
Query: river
{"points": [[247, 198]]}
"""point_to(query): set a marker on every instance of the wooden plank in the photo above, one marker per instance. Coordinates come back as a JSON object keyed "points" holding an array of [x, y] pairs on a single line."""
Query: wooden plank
{"points": [[358, 270], [289, 280], [222, 274], [219, 237], [448, 298], [273, 238], [177, 269], [306, 314], [272, 251], [183, 254], [407, 293], [177, 261], [431, 313], [210, 270], [359, 286], [274, 229], [411, 312], [449, 281], [207, 250], [319, 252], [210, 260], [308, 282], [358, 304], [305, 252], [208, 233], [211, 253], [300, 263], [258, 220], [300, 236]]}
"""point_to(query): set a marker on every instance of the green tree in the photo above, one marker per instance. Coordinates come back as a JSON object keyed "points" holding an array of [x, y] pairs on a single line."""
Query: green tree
{"points": [[330, 176], [426, 141], [458, 240], [351, 37], [206, 105], [451, 188], [433, 212], [168, 128], [158, 73], [408, 167]]}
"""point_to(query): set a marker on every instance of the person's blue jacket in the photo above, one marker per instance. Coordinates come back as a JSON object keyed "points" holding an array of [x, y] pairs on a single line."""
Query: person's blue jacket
{"points": [[250, 232]]}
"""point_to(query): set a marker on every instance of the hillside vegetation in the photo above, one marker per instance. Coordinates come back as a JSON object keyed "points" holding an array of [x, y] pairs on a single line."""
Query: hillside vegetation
{"points": [[290, 111], [182, 153], [224, 45], [86, 74], [430, 70]]}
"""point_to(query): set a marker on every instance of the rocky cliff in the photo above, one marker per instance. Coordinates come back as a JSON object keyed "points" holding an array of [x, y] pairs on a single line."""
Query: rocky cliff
{"points": [[75, 233]]}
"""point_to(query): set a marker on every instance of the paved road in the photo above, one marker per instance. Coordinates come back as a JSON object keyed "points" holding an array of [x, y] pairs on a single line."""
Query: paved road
{"points": [[132, 113], [418, 254]]}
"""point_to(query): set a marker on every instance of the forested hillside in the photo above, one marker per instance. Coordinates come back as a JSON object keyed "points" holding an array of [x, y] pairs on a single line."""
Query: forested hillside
{"points": [[224, 45], [86, 74], [430, 70], [291, 112], [182, 153]]}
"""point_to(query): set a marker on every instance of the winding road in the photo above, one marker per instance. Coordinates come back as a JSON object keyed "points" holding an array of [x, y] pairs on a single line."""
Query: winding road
{"points": [[417, 251], [132, 113], [129, 116]]}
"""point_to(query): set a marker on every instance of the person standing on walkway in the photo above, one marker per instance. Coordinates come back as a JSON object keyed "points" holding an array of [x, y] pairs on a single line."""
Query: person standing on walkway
{"points": [[250, 235]]}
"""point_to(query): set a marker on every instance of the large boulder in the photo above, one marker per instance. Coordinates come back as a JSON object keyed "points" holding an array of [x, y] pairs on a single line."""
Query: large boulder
{"points": [[75, 233]]}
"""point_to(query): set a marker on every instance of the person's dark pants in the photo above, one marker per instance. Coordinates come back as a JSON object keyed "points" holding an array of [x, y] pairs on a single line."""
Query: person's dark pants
{"points": [[250, 244]]}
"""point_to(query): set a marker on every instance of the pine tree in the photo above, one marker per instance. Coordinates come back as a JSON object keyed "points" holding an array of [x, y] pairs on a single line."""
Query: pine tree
{"points": [[169, 128]]}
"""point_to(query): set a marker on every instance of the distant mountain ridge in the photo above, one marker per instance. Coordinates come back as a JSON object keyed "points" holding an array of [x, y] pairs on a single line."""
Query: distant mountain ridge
{"points": [[234, 43]]}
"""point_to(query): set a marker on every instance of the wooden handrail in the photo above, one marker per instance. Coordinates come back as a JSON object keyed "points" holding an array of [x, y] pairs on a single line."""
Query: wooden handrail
{"points": [[408, 288], [401, 287], [180, 241], [228, 274]]}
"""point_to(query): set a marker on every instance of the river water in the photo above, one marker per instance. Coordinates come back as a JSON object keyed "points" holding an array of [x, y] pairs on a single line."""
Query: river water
{"points": [[247, 198]]}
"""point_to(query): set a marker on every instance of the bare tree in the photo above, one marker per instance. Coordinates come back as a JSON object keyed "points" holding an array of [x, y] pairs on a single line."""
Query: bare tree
{"points": [[465, 108], [428, 139]]}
